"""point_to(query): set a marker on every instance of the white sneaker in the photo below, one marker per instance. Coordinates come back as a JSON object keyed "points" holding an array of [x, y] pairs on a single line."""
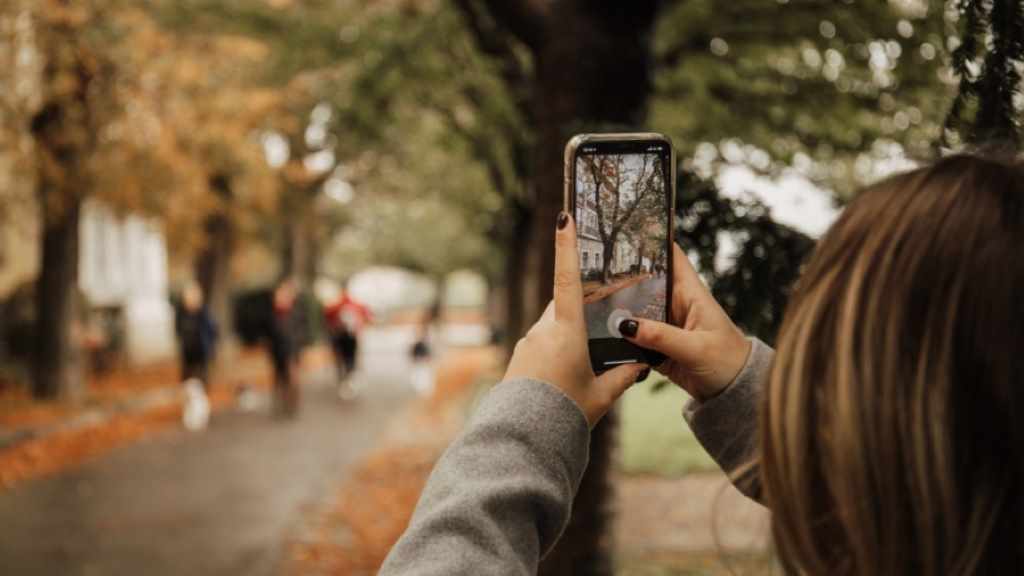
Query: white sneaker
{"points": [[196, 413]]}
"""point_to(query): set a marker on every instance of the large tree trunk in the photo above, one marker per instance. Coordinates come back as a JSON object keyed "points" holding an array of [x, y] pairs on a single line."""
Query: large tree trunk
{"points": [[516, 281], [586, 548], [592, 73], [65, 132], [57, 367], [212, 264]]}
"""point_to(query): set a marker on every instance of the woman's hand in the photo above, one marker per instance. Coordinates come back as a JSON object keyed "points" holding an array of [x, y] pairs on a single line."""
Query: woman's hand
{"points": [[555, 349], [705, 349]]}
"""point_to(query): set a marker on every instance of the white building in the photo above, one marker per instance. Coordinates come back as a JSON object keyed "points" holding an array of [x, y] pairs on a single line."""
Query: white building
{"points": [[589, 238], [123, 264]]}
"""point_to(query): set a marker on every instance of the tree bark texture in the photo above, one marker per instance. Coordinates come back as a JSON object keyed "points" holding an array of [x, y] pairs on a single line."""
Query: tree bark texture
{"points": [[57, 366]]}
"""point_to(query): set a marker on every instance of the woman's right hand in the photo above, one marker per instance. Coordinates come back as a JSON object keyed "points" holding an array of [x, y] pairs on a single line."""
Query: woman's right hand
{"points": [[705, 351]]}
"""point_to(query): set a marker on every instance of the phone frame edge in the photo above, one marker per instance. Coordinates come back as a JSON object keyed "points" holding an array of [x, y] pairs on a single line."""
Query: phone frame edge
{"points": [[569, 155]]}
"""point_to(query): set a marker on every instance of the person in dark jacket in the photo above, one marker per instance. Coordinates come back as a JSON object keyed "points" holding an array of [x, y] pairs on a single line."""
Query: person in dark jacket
{"points": [[284, 344], [197, 335]]}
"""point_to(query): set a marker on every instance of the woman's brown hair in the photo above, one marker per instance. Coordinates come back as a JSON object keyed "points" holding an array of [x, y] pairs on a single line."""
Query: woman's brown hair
{"points": [[892, 417]]}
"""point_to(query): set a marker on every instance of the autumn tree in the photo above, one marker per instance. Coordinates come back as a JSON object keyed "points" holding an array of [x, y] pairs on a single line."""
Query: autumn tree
{"points": [[65, 129], [202, 101], [322, 56], [301, 126], [617, 191], [648, 231]]}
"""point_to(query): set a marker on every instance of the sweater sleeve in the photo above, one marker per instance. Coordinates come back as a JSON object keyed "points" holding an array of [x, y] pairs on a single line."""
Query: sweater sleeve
{"points": [[726, 425], [501, 494]]}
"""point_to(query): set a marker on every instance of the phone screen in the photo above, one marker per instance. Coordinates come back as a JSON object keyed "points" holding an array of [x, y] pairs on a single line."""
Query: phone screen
{"points": [[622, 207]]}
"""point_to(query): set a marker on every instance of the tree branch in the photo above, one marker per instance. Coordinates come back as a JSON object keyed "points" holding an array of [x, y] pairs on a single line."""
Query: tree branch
{"points": [[491, 39], [498, 43], [620, 222], [481, 147], [524, 19]]}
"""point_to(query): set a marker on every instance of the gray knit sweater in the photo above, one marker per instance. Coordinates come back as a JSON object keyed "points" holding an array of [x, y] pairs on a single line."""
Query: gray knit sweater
{"points": [[502, 493]]}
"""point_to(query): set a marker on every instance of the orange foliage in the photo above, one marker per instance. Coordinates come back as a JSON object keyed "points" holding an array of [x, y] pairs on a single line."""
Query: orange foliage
{"points": [[61, 450], [43, 456]]}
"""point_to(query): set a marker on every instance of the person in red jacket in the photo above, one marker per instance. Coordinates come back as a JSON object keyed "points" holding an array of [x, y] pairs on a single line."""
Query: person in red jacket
{"points": [[345, 318]]}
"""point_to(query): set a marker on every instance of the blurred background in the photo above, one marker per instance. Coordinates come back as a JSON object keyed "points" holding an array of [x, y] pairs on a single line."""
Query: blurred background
{"points": [[258, 258]]}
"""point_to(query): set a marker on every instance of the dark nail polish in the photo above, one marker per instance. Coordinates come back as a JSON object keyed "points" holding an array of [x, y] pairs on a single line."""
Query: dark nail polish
{"points": [[643, 375], [629, 327], [563, 219]]}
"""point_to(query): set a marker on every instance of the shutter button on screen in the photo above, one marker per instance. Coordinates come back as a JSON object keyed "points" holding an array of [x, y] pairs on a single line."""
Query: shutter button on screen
{"points": [[616, 317]]}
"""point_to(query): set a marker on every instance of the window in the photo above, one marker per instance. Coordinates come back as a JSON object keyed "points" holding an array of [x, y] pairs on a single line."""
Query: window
{"points": [[585, 258]]}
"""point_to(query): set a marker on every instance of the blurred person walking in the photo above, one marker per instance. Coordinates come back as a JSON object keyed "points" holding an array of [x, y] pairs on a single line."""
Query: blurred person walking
{"points": [[197, 335], [197, 338], [422, 352], [346, 317], [284, 345]]}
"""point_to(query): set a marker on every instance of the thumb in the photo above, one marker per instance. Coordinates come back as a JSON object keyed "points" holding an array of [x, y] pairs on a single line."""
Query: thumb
{"points": [[617, 380], [688, 347]]}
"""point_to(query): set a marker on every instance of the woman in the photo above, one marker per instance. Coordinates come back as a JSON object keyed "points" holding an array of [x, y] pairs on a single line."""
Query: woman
{"points": [[881, 435], [197, 335]]}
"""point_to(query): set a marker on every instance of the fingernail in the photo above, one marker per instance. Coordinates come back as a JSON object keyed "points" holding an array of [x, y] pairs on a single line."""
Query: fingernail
{"points": [[628, 327], [563, 219], [643, 375]]}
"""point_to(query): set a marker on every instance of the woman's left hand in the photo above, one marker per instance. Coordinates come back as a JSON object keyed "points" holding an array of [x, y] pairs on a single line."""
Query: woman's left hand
{"points": [[555, 348]]}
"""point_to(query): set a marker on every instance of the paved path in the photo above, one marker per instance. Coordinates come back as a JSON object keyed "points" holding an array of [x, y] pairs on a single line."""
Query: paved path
{"points": [[219, 502], [645, 299]]}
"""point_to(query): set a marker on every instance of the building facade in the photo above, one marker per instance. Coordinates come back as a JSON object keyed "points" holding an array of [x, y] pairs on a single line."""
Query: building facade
{"points": [[589, 238], [123, 265]]}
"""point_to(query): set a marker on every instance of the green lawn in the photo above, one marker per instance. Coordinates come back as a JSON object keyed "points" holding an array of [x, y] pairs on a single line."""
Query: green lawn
{"points": [[696, 564], [654, 438]]}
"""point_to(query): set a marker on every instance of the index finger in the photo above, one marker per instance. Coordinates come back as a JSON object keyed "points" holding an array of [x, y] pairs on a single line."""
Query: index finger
{"points": [[684, 276], [568, 287]]}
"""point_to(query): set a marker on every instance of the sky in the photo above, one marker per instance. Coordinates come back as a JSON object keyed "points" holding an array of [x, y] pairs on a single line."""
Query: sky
{"points": [[792, 198]]}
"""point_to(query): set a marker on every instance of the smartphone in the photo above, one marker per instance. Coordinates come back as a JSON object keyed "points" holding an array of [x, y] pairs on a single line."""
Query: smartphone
{"points": [[620, 189]]}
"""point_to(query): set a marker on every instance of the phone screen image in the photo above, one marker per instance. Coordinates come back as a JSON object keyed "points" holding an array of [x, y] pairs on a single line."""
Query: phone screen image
{"points": [[622, 207]]}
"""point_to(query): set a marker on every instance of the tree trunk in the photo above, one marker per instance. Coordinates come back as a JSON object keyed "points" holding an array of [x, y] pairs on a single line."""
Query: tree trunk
{"points": [[592, 73], [291, 249], [300, 251], [586, 548], [606, 261], [57, 366], [212, 265], [64, 130], [517, 282]]}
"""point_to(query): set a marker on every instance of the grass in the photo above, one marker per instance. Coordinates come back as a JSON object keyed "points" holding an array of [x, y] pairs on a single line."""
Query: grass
{"points": [[654, 438], [697, 564]]}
